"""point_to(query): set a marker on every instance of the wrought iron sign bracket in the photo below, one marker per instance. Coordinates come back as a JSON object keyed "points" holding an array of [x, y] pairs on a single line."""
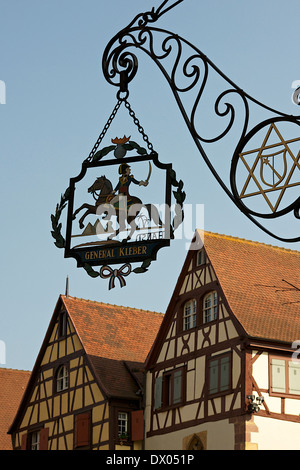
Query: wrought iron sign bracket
{"points": [[264, 173], [108, 222]]}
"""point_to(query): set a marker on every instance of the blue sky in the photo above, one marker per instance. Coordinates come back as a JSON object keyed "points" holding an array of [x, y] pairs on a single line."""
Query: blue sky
{"points": [[57, 102]]}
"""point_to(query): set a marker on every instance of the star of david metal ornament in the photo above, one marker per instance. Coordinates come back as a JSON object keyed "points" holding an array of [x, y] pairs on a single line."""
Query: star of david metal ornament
{"points": [[272, 170]]}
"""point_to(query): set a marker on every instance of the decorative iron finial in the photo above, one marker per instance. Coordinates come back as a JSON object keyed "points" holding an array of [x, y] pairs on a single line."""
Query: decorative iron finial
{"points": [[67, 287]]}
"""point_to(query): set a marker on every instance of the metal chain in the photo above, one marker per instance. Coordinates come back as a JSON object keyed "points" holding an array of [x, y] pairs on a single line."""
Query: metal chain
{"points": [[109, 121], [137, 123], [105, 129]]}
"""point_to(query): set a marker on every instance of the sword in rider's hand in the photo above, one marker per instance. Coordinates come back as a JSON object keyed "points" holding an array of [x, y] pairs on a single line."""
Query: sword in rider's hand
{"points": [[145, 183]]}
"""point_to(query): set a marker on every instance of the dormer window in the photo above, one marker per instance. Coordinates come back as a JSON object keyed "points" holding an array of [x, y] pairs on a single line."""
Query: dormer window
{"points": [[210, 307], [190, 314], [62, 378]]}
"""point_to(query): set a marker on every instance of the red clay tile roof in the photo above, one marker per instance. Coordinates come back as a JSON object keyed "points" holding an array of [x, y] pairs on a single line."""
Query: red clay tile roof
{"points": [[116, 340], [111, 331], [254, 278], [12, 387], [118, 376]]}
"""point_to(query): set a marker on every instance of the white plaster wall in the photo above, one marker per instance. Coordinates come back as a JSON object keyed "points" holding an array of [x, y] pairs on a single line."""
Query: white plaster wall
{"points": [[276, 434], [260, 370], [220, 436]]}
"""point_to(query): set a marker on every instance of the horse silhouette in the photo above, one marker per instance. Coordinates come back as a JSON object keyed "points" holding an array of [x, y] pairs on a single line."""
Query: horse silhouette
{"points": [[109, 204]]}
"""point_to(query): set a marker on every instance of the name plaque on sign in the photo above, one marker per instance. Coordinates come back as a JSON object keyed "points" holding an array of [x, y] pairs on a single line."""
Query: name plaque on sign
{"points": [[120, 253]]}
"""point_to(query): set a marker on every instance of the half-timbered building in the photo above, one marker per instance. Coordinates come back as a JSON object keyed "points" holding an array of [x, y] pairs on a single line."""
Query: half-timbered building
{"points": [[86, 388], [223, 372], [220, 370]]}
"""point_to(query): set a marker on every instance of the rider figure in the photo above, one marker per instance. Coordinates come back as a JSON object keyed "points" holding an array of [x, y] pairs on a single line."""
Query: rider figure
{"points": [[123, 185], [125, 179], [123, 201]]}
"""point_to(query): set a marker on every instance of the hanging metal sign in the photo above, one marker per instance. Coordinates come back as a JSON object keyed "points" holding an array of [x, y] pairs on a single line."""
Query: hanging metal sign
{"points": [[119, 209]]}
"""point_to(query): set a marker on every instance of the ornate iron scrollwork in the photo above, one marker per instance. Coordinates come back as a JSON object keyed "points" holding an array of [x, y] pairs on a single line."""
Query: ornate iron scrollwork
{"points": [[187, 70]]}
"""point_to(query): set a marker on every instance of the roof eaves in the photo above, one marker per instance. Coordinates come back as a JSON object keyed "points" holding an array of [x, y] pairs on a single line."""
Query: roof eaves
{"points": [[269, 343], [97, 378]]}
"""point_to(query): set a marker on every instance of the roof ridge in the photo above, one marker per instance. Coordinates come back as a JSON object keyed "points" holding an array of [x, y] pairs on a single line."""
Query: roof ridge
{"points": [[15, 370], [111, 305], [245, 240]]}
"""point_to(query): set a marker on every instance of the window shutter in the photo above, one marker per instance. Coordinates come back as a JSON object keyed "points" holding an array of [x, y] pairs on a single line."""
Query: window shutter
{"points": [[213, 376], [177, 387], [44, 433], [158, 393], [294, 378], [24, 442], [278, 375], [137, 425], [82, 430], [224, 379]]}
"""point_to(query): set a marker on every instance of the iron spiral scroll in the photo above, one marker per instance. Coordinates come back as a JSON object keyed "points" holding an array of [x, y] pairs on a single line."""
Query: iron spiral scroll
{"points": [[180, 61]]}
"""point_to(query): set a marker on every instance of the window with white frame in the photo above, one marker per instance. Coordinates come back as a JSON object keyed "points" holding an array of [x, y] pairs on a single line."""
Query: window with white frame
{"points": [[122, 424], [35, 440], [210, 307], [62, 378], [190, 314]]}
